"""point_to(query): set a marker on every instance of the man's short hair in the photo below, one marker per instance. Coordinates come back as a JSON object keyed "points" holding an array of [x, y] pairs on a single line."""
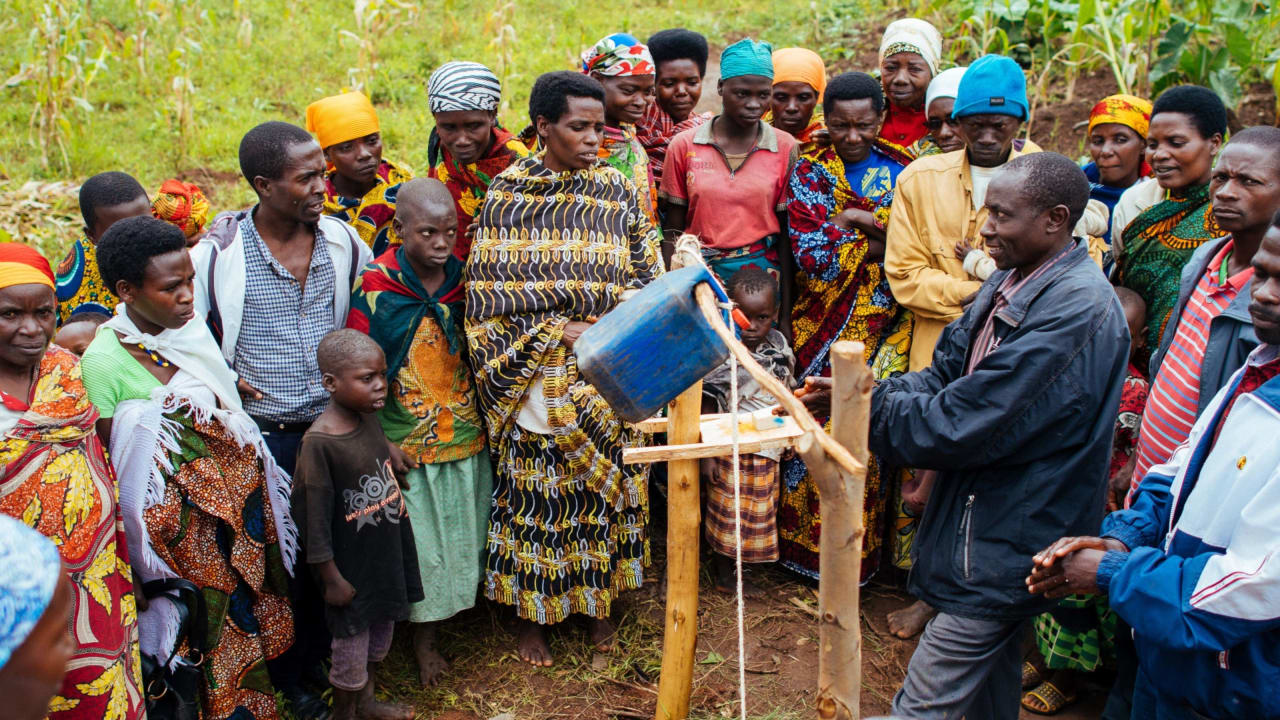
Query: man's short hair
{"points": [[106, 190], [340, 347], [265, 149], [127, 247], [1050, 179], [1201, 104], [1263, 137], [853, 86], [550, 95], [679, 44]]}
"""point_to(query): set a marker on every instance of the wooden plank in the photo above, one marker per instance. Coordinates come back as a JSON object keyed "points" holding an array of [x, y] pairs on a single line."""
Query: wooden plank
{"points": [[694, 451]]}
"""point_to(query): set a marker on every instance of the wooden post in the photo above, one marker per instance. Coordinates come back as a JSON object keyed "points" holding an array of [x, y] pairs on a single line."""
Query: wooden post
{"points": [[840, 547], [680, 637]]}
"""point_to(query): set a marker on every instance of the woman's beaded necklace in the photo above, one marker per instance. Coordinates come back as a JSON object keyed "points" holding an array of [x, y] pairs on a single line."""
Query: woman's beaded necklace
{"points": [[155, 357]]}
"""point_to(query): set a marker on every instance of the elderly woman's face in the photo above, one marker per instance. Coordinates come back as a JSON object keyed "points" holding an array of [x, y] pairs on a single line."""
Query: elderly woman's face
{"points": [[905, 77], [1117, 150], [573, 141], [854, 125], [465, 134], [28, 315]]}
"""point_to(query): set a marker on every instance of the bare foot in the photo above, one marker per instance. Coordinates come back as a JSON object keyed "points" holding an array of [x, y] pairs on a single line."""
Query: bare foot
{"points": [[531, 644], [602, 632], [726, 581], [909, 621], [372, 708], [431, 664]]}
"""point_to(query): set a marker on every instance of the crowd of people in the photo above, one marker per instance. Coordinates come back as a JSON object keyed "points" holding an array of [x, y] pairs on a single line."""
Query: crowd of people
{"points": [[239, 450]]}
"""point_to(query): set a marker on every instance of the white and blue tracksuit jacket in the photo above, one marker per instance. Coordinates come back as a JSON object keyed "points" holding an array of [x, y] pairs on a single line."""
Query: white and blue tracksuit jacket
{"points": [[1201, 584]]}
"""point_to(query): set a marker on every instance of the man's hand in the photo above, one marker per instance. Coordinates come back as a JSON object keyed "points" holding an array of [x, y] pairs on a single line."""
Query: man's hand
{"points": [[1118, 489], [1077, 575], [962, 248], [247, 391], [816, 395], [1062, 547], [401, 464], [572, 332]]}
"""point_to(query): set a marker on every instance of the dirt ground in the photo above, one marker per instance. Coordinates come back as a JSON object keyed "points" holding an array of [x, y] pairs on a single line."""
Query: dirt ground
{"points": [[487, 679]]}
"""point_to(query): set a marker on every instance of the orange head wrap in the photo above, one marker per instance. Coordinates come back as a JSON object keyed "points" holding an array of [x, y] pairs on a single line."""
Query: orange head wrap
{"points": [[339, 118], [800, 65], [183, 205], [1132, 112], [23, 265]]}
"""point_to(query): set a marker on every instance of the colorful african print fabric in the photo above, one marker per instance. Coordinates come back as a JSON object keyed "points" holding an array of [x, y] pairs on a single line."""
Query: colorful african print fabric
{"points": [[372, 214], [892, 360], [215, 526], [568, 529], [431, 410], [813, 136], [54, 477], [839, 296], [1156, 245], [468, 183], [618, 55], [655, 130], [80, 287], [623, 152]]}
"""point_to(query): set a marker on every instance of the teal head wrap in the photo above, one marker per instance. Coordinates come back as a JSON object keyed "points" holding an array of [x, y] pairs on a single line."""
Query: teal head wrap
{"points": [[747, 57]]}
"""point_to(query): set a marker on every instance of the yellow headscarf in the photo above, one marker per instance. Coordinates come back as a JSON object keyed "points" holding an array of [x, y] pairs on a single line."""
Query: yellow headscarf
{"points": [[183, 205], [1132, 112], [339, 118], [23, 265], [799, 65]]}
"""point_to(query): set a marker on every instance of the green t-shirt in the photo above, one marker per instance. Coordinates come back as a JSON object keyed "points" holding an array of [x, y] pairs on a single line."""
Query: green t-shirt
{"points": [[111, 375]]}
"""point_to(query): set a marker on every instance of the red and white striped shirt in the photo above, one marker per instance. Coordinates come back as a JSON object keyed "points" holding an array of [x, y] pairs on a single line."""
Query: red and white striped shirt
{"points": [[1175, 392]]}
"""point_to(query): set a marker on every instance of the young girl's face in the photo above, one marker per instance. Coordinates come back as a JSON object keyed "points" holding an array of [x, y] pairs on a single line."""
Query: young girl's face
{"points": [[761, 309], [429, 235]]}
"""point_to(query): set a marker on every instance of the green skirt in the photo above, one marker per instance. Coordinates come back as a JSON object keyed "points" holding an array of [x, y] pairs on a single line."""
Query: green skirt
{"points": [[449, 508]]}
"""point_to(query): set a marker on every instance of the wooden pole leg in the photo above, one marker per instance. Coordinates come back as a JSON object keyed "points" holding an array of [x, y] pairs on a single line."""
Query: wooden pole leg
{"points": [[840, 547], [680, 637]]}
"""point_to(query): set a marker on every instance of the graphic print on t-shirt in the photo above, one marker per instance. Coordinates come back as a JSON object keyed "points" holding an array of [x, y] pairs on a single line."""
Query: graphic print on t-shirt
{"points": [[377, 499]]}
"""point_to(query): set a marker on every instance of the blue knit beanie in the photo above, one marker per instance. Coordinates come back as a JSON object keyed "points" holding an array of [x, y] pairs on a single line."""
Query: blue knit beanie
{"points": [[993, 85]]}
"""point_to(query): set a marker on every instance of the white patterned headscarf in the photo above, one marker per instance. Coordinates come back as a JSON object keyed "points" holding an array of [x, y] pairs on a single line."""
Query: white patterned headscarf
{"points": [[459, 86], [913, 35], [29, 570]]}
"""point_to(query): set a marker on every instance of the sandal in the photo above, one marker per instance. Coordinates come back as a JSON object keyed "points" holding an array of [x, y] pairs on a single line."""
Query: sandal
{"points": [[1050, 697], [1030, 675]]}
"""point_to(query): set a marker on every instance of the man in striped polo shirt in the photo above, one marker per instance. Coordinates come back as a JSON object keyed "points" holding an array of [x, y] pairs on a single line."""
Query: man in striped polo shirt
{"points": [[1210, 333]]}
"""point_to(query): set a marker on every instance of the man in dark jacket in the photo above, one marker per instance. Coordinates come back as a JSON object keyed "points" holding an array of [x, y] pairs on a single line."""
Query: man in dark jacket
{"points": [[1016, 413]]}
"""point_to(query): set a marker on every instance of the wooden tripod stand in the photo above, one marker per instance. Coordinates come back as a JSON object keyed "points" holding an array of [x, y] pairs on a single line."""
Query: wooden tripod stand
{"points": [[837, 463]]}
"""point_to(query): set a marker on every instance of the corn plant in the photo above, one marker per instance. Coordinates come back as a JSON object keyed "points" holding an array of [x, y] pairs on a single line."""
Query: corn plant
{"points": [[375, 20], [59, 71], [499, 25]]}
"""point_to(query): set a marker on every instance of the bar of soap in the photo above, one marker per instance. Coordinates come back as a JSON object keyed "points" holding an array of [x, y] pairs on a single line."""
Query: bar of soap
{"points": [[765, 420]]}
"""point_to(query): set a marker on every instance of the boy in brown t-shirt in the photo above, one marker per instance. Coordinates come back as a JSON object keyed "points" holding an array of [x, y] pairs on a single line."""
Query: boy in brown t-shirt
{"points": [[358, 540]]}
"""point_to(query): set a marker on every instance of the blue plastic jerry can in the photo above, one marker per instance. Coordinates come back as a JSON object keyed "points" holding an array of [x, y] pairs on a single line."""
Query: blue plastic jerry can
{"points": [[653, 346]]}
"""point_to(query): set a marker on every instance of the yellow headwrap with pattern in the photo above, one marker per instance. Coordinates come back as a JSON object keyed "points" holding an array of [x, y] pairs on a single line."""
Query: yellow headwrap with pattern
{"points": [[1132, 112]]}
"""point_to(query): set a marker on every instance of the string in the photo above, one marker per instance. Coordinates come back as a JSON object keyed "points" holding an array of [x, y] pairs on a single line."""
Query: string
{"points": [[737, 537]]}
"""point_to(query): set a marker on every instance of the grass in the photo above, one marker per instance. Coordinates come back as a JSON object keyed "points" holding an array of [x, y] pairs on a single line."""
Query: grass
{"points": [[247, 62]]}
